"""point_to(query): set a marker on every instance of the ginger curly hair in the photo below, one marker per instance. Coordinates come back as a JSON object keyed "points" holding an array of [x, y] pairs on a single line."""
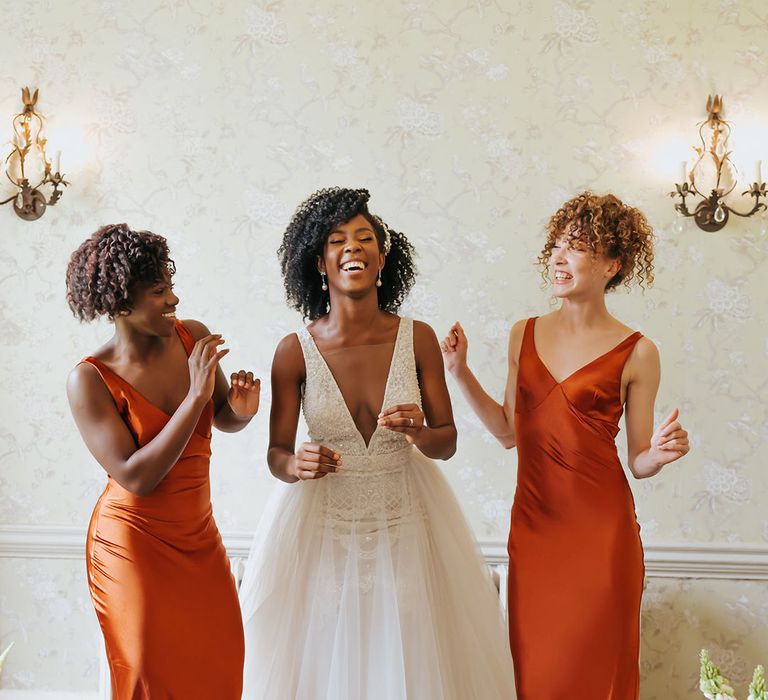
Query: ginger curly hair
{"points": [[104, 270], [605, 225]]}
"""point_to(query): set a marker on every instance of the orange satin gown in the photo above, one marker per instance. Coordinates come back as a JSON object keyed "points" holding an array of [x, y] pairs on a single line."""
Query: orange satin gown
{"points": [[158, 572], [576, 561]]}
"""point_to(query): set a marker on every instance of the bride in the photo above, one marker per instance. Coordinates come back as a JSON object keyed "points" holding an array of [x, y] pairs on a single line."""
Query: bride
{"points": [[363, 582]]}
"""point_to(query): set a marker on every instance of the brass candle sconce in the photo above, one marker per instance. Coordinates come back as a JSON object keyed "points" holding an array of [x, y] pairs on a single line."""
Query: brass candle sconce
{"points": [[713, 172], [28, 162]]}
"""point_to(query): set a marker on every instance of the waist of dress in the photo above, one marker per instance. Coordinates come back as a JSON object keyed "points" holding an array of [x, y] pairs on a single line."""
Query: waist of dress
{"points": [[119, 524], [380, 463], [179, 501]]}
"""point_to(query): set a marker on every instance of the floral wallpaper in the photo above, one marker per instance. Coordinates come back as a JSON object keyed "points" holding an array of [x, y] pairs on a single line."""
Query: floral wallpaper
{"points": [[470, 122]]}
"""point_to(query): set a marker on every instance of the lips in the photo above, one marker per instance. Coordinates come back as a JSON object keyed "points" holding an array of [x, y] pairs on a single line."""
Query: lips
{"points": [[562, 276], [353, 266], [171, 315]]}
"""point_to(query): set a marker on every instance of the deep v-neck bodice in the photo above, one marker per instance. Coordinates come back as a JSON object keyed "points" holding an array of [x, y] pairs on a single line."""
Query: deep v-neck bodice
{"points": [[593, 390], [629, 341], [328, 417]]}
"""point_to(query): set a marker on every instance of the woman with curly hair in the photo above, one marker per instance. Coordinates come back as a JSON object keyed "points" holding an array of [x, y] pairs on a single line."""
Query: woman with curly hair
{"points": [[576, 561], [364, 582], [144, 403]]}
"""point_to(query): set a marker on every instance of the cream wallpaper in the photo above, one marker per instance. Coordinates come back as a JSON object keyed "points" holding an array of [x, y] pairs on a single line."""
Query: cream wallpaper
{"points": [[470, 122]]}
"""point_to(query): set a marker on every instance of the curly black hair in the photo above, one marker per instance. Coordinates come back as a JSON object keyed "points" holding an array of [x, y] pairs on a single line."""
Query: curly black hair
{"points": [[103, 271], [304, 240]]}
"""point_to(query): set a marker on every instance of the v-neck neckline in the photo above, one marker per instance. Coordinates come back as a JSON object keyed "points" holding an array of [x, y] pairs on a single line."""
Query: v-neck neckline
{"points": [[583, 367], [341, 395], [133, 388]]}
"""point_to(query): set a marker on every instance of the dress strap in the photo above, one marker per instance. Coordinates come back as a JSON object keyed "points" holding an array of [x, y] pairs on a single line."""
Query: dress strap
{"points": [[115, 384], [187, 339]]}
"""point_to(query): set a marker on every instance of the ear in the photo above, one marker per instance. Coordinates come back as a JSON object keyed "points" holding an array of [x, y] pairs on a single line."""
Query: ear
{"points": [[320, 263], [382, 260], [613, 268]]}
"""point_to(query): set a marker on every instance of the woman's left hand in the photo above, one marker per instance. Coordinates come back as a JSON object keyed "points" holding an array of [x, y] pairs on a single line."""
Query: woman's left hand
{"points": [[670, 441], [244, 393], [406, 418]]}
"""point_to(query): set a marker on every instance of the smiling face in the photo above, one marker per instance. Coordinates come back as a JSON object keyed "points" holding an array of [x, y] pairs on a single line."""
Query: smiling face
{"points": [[153, 308], [352, 257], [576, 272]]}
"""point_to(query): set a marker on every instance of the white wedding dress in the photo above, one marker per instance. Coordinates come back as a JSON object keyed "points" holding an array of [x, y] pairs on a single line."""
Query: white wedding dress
{"points": [[367, 584]]}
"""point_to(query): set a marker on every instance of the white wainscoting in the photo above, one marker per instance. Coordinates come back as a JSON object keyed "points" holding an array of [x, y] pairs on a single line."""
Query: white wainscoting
{"points": [[716, 561], [673, 560], [47, 695]]}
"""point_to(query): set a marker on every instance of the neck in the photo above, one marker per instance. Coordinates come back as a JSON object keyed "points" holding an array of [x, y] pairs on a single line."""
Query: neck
{"points": [[584, 313], [350, 314], [133, 345]]}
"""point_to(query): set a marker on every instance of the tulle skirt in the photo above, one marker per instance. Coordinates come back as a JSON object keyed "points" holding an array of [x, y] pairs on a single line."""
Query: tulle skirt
{"points": [[368, 585]]}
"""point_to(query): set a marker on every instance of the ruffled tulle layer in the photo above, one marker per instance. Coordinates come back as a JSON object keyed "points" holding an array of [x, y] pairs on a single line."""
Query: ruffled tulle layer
{"points": [[350, 603]]}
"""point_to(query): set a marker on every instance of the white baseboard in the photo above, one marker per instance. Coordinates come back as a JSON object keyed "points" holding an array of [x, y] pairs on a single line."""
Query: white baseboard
{"points": [[46, 695], [674, 560]]}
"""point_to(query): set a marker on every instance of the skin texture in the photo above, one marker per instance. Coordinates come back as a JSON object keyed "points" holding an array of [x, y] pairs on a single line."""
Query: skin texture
{"points": [[568, 339], [147, 352], [355, 319]]}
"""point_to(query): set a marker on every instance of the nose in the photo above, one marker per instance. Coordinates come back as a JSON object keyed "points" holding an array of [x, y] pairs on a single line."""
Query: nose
{"points": [[172, 299], [558, 255], [352, 246]]}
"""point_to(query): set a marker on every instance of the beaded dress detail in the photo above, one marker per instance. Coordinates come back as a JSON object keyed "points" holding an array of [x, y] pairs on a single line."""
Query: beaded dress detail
{"points": [[367, 584]]}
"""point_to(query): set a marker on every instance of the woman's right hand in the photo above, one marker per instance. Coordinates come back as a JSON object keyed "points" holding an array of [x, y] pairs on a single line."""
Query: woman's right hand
{"points": [[203, 362], [315, 461], [454, 349]]}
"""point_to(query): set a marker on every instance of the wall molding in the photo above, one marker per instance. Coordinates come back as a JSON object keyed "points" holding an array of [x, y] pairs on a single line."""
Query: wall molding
{"points": [[673, 560], [48, 695]]}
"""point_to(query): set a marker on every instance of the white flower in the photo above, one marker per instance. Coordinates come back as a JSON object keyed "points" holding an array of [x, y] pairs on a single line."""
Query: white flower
{"points": [[265, 26], [415, 118], [480, 56], [575, 24], [497, 72], [265, 208], [725, 482], [727, 300]]}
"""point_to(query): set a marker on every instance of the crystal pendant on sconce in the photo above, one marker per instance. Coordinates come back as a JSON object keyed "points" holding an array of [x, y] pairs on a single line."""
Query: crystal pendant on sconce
{"points": [[713, 176]]}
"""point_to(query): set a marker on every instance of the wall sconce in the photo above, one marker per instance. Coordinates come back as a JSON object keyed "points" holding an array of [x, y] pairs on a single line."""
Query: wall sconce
{"points": [[714, 172], [28, 160]]}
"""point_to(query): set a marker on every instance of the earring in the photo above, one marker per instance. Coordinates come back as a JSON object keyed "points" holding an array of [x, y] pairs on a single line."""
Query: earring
{"points": [[378, 281], [324, 285]]}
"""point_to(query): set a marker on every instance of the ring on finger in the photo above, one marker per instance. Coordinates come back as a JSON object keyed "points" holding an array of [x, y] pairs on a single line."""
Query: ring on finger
{"points": [[411, 419]]}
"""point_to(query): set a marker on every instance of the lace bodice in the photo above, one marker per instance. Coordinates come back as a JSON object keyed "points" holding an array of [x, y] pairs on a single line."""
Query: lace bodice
{"points": [[328, 418]]}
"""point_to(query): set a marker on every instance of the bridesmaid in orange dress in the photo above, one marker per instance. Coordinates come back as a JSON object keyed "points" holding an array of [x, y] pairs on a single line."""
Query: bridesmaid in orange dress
{"points": [[144, 404], [576, 561]]}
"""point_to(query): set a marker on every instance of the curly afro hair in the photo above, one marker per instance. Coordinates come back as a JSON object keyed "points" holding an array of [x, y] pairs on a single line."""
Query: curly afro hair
{"points": [[304, 240], [605, 225], [103, 271]]}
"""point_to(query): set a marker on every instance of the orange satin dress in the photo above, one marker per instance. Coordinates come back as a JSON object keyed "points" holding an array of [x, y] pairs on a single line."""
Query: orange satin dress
{"points": [[576, 562], [158, 572]]}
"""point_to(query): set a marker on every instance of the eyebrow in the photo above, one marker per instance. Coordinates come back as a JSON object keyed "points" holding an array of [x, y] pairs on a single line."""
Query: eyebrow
{"points": [[357, 230]]}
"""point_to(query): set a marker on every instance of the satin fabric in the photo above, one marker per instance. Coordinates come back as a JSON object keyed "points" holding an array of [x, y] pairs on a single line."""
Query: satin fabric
{"points": [[158, 572], [576, 561]]}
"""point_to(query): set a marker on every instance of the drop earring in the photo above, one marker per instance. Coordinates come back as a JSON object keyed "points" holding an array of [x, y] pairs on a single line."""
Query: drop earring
{"points": [[378, 281], [324, 285]]}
